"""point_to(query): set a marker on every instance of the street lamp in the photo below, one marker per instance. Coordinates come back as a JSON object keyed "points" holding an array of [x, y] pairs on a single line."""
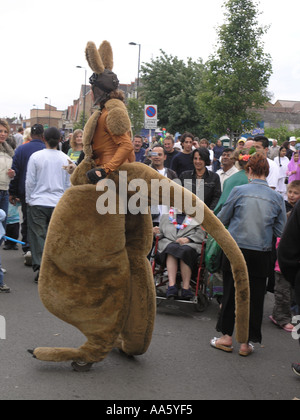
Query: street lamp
{"points": [[138, 79], [80, 67], [46, 97]]}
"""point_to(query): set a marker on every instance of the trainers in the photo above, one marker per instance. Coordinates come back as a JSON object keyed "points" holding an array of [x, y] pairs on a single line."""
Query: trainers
{"points": [[4, 289], [172, 292], [36, 279], [28, 258], [186, 294], [296, 368]]}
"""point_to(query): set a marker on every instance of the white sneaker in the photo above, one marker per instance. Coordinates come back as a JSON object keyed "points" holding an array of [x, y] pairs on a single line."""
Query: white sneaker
{"points": [[28, 258], [4, 289]]}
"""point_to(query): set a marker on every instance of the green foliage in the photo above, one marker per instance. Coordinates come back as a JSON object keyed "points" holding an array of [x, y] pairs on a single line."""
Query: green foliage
{"points": [[135, 110], [282, 133], [81, 123], [172, 85], [237, 75]]}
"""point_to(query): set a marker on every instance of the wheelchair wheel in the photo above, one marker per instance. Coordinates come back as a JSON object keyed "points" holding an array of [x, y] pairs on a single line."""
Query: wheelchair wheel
{"points": [[202, 303]]}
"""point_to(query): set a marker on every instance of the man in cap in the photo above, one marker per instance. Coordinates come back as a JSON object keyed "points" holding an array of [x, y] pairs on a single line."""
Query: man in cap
{"points": [[293, 142]]}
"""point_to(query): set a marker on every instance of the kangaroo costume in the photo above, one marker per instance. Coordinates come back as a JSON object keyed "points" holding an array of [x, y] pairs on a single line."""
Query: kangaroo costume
{"points": [[104, 284]]}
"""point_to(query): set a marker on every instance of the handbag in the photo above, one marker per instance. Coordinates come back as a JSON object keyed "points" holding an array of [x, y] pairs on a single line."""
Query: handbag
{"points": [[213, 255], [286, 181]]}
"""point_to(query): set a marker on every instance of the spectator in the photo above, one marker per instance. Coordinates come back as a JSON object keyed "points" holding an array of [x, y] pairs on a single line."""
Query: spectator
{"points": [[76, 144], [183, 161], [289, 257], [3, 287], [66, 144], [192, 179], [228, 169], [262, 145], [138, 150], [253, 213], [12, 227], [294, 168], [180, 243], [205, 143], [289, 152], [282, 162], [158, 158], [282, 315], [17, 185], [273, 150], [218, 150], [170, 151], [241, 143], [293, 142], [241, 158], [19, 136], [46, 182], [6, 174], [27, 136]]}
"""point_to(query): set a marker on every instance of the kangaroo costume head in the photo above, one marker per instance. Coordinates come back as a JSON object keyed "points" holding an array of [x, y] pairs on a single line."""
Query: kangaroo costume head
{"points": [[103, 80]]}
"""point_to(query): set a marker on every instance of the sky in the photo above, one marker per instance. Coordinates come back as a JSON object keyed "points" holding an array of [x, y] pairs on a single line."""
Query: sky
{"points": [[42, 42]]}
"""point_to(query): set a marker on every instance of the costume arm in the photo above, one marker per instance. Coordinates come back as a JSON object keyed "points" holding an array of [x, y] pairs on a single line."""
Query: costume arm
{"points": [[124, 152]]}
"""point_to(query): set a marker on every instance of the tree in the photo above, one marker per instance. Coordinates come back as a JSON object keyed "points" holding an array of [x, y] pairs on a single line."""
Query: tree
{"points": [[237, 74], [135, 110], [81, 123], [173, 86]]}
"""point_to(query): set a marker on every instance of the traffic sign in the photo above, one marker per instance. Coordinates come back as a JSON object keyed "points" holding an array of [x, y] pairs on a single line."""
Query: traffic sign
{"points": [[150, 117]]}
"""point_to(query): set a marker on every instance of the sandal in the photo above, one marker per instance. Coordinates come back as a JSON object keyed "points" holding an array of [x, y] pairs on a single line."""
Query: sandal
{"points": [[215, 345], [248, 352], [285, 327]]}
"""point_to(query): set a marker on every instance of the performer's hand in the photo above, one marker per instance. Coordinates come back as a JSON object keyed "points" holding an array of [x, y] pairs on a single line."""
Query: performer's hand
{"points": [[70, 168], [95, 175]]}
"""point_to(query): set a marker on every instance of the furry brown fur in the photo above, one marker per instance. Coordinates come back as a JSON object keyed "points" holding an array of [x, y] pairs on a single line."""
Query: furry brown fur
{"points": [[105, 288], [93, 58]]}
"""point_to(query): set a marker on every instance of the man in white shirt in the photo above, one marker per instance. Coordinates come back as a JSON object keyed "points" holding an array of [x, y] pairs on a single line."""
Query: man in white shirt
{"points": [[261, 144], [46, 182], [228, 168]]}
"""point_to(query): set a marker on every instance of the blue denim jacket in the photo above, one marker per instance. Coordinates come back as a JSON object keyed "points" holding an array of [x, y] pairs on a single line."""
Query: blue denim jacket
{"points": [[253, 214]]}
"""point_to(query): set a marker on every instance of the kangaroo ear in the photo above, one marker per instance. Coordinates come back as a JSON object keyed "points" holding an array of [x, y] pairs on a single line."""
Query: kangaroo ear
{"points": [[106, 54], [93, 58]]}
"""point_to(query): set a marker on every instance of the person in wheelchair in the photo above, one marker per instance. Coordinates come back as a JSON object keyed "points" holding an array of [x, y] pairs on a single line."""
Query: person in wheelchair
{"points": [[180, 240]]}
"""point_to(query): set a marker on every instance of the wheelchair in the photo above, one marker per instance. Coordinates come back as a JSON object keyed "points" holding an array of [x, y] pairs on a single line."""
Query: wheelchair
{"points": [[198, 282]]}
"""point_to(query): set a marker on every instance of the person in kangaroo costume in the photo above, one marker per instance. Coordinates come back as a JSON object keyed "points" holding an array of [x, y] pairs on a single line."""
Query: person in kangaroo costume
{"points": [[103, 284]]}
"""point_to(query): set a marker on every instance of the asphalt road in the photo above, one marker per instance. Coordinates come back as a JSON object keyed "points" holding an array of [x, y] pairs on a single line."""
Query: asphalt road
{"points": [[179, 365]]}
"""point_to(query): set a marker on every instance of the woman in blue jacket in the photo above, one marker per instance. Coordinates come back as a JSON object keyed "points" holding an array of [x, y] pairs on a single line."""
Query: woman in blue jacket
{"points": [[253, 213]]}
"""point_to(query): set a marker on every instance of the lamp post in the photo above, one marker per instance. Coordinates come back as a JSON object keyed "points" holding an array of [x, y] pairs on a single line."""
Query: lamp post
{"points": [[80, 67], [138, 79], [46, 97]]}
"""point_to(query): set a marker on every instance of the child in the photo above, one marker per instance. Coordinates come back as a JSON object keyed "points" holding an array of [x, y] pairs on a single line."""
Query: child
{"points": [[12, 226], [283, 291], [3, 287]]}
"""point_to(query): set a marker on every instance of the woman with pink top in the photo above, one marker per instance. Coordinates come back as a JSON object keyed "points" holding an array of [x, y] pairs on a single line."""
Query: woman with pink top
{"points": [[294, 168]]}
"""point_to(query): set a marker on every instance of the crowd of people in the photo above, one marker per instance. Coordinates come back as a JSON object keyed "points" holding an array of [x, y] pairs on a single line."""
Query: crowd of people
{"points": [[252, 188]]}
